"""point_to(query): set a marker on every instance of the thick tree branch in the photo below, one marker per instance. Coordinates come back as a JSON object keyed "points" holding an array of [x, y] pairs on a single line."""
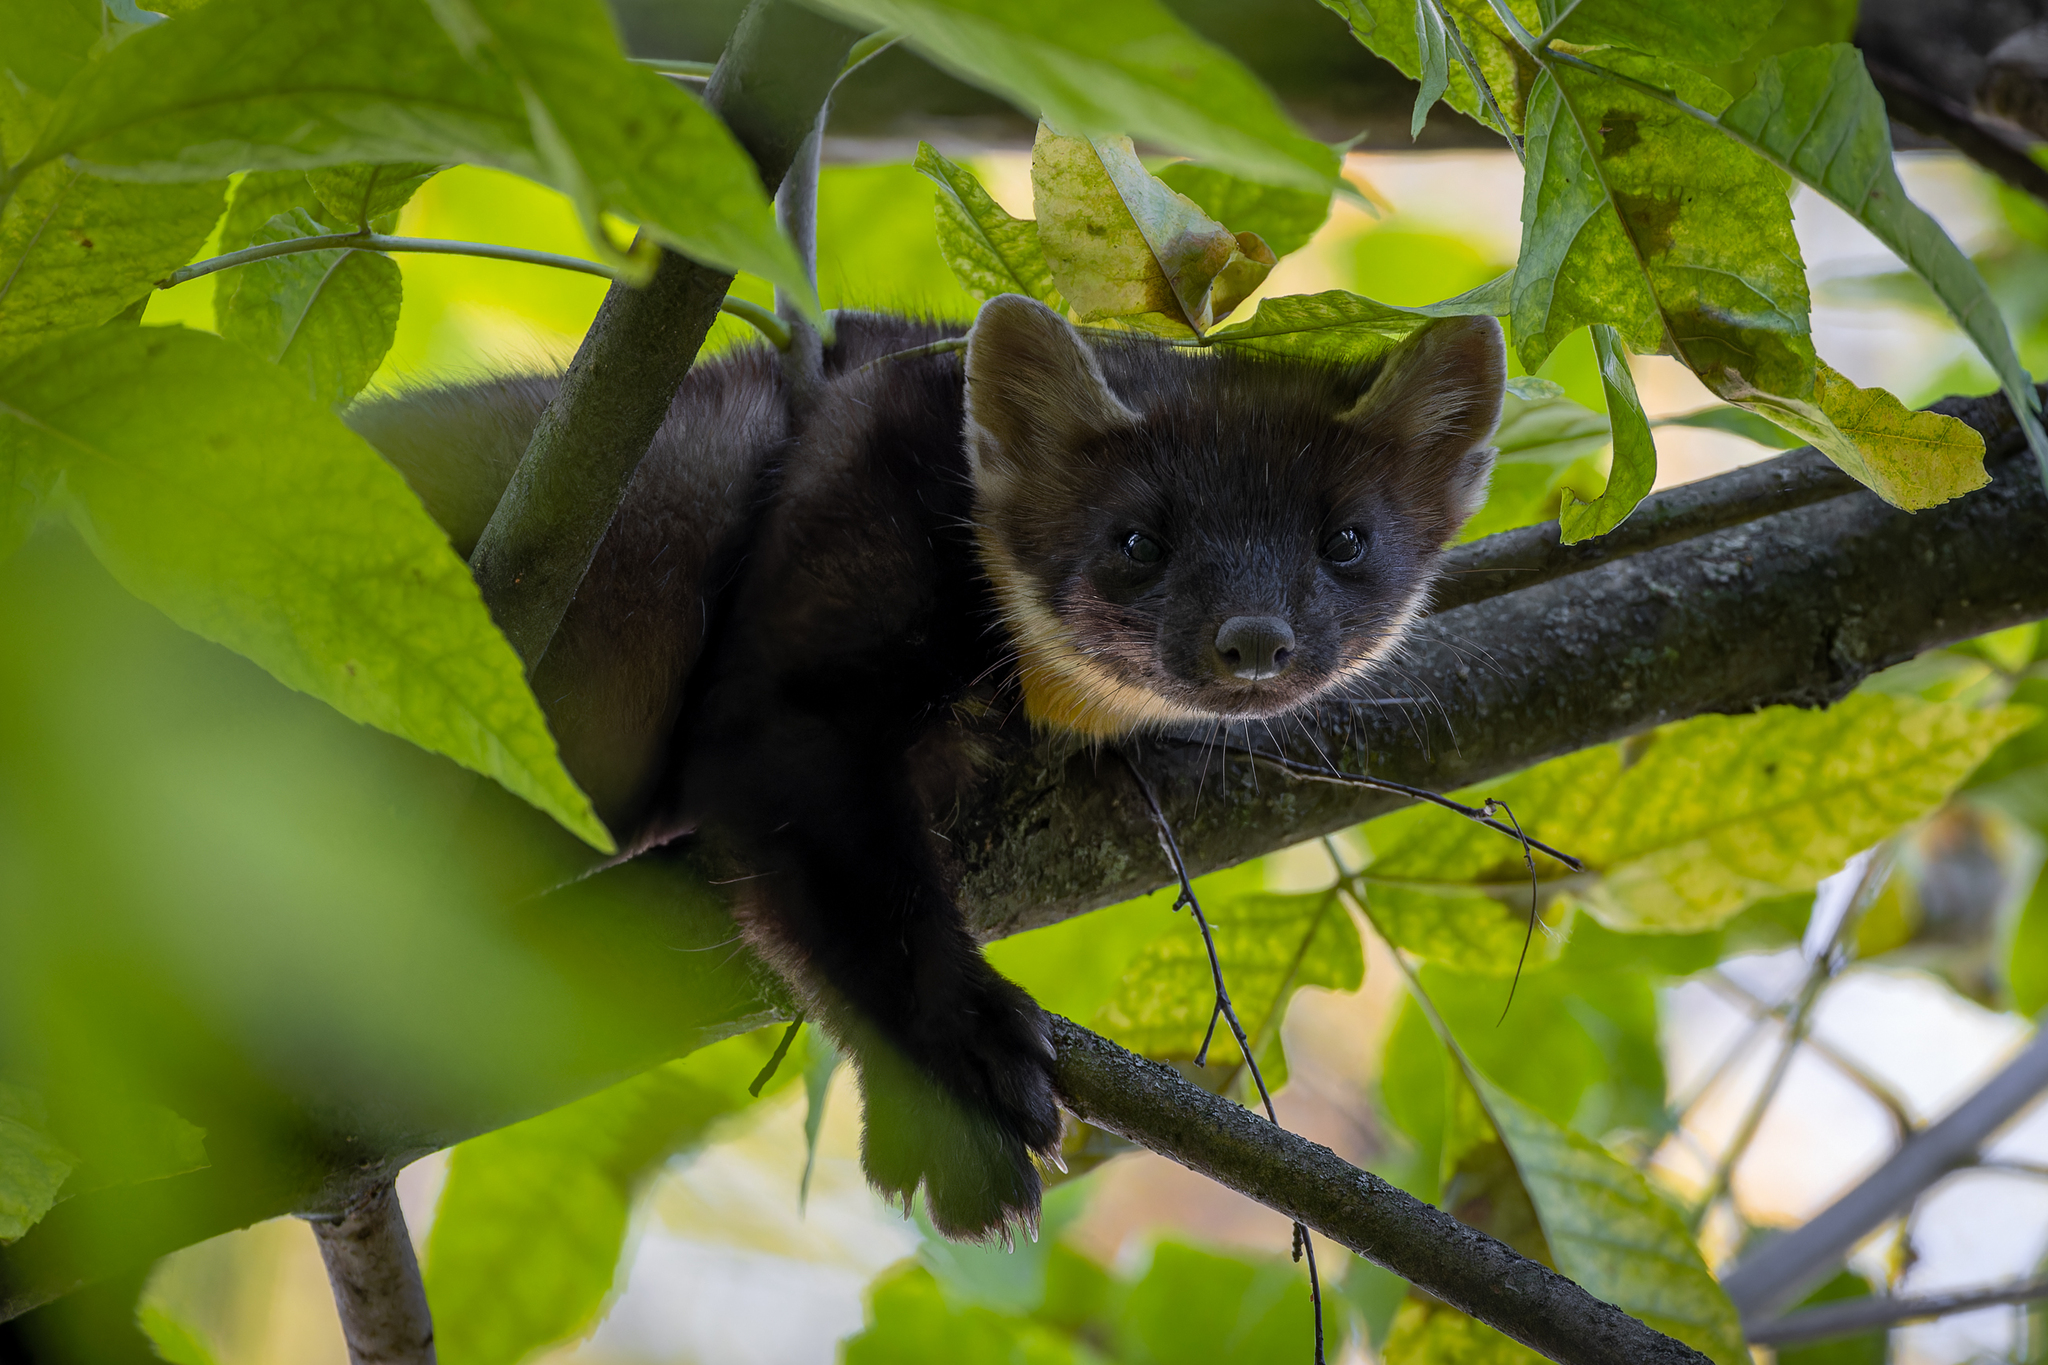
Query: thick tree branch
{"points": [[768, 88], [1153, 1105], [1797, 606], [376, 1282]]}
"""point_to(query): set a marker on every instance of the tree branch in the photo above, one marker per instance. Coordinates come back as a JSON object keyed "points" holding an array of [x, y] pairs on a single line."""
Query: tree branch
{"points": [[1152, 1104], [768, 87], [376, 1282], [1859, 1315], [1783, 1269], [1797, 606]]}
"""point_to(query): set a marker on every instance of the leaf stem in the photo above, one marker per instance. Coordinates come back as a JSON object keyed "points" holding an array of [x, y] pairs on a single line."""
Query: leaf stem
{"points": [[693, 71], [1477, 77], [1526, 40]]}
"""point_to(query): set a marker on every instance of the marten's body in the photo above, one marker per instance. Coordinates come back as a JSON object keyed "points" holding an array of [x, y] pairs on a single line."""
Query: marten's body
{"points": [[778, 628]]}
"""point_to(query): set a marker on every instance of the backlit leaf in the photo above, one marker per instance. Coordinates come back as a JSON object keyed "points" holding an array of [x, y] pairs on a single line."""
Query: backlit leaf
{"points": [[1814, 112], [1431, 1332], [217, 490], [1610, 1232], [1268, 944], [1283, 218], [1389, 28], [33, 1167], [1346, 328], [1540, 443], [1108, 67], [526, 1238], [1119, 242], [257, 198], [1910, 459], [1433, 55], [1635, 454], [990, 252], [1697, 32], [48, 40], [326, 316], [75, 250], [356, 193]]}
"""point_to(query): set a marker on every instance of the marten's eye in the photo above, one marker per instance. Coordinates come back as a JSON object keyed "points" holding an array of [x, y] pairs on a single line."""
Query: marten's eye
{"points": [[1140, 548], [1345, 547]]}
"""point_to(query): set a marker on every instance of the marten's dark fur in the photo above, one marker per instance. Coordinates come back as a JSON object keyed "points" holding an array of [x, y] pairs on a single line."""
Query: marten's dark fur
{"points": [[773, 638]]}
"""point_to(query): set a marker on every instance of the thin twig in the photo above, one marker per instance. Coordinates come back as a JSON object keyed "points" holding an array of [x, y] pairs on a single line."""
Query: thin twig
{"points": [[1763, 1014], [929, 348], [1320, 773], [689, 71], [1304, 1248], [1478, 78], [775, 1061], [1859, 1315], [1535, 896]]}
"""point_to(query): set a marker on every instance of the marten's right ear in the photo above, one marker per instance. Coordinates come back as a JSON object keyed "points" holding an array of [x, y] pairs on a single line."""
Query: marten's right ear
{"points": [[1034, 393]]}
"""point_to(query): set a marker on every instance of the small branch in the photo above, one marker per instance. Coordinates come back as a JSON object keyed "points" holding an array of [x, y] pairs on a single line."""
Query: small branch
{"points": [[376, 1282], [1927, 110], [1153, 1105], [1762, 1013], [375, 241], [1860, 1315], [1783, 1269], [796, 212], [762, 321]]}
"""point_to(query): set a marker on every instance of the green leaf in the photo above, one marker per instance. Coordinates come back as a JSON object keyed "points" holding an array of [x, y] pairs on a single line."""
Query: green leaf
{"points": [[1610, 1232], [1340, 327], [1736, 422], [76, 250], [171, 1338], [25, 486], [1433, 55], [222, 494], [1910, 459], [2026, 970], [357, 193], [1268, 944], [326, 316], [274, 85], [256, 198], [1815, 113], [48, 41], [1697, 32], [1389, 28], [1198, 1305], [1634, 215], [526, 1239], [33, 1167], [1635, 454], [1541, 443], [1283, 218], [1108, 67], [1119, 242], [990, 252], [911, 1322], [1431, 1332], [1707, 816]]}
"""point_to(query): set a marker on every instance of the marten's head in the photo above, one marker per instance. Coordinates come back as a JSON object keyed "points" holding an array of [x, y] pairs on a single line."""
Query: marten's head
{"points": [[1181, 536]]}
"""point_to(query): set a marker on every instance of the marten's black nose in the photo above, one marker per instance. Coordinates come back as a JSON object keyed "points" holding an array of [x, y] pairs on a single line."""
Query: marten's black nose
{"points": [[1254, 647]]}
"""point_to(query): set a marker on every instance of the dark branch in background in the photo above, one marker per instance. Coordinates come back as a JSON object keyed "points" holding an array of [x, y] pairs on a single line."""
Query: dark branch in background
{"points": [[1783, 1269], [1152, 1104], [376, 1282], [1797, 606], [1922, 108], [768, 87], [1861, 1315]]}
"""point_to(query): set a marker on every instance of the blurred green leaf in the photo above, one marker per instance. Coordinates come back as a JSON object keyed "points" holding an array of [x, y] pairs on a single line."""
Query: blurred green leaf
{"points": [[25, 486], [1542, 443], [33, 1166], [1388, 28], [1736, 422], [1010, 1280], [218, 491], [990, 252], [1268, 945], [2026, 963], [326, 316], [358, 192], [1119, 242], [1815, 113], [75, 249], [1698, 32], [1340, 327], [1688, 826], [1609, 1231], [527, 1235], [1430, 1332], [1108, 67], [257, 197], [1198, 1305], [1867, 1348], [273, 85], [1635, 454], [1636, 216], [172, 1339], [909, 1322], [48, 41], [1283, 218]]}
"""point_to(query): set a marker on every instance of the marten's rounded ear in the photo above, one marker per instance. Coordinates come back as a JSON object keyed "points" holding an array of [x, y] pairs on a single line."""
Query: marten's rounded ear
{"points": [[1034, 393], [1434, 404]]}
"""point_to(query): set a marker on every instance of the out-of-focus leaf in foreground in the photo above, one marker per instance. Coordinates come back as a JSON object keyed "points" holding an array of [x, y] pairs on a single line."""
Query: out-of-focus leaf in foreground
{"points": [[33, 1165], [221, 493], [1109, 67], [527, 1235], [357, 194], [1635, 453], [326, 316]]}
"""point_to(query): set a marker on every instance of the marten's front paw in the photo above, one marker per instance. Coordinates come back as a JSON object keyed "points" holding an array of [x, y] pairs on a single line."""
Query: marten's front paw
{"points": [[964, 1116]]}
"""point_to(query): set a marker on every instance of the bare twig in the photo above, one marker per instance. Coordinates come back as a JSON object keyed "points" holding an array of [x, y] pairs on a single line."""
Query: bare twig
{"points": [[1303, 1246], [376, 1282], [1762, 1014], [1861, 1315]]}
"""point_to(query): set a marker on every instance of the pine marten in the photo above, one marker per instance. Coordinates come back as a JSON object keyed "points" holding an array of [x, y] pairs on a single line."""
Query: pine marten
{"points": [[773, 641]]}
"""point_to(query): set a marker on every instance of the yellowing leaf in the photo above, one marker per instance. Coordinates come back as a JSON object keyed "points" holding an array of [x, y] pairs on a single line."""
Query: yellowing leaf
{"points": [[217, 490], [1431, 1332], [1119, 242], [1910, 459], [990, 252], [1283, 218]]}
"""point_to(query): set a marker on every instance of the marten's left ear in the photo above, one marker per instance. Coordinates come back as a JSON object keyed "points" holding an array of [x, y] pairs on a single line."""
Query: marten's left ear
{"points": [[1034, 395], [1433, 406]]}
